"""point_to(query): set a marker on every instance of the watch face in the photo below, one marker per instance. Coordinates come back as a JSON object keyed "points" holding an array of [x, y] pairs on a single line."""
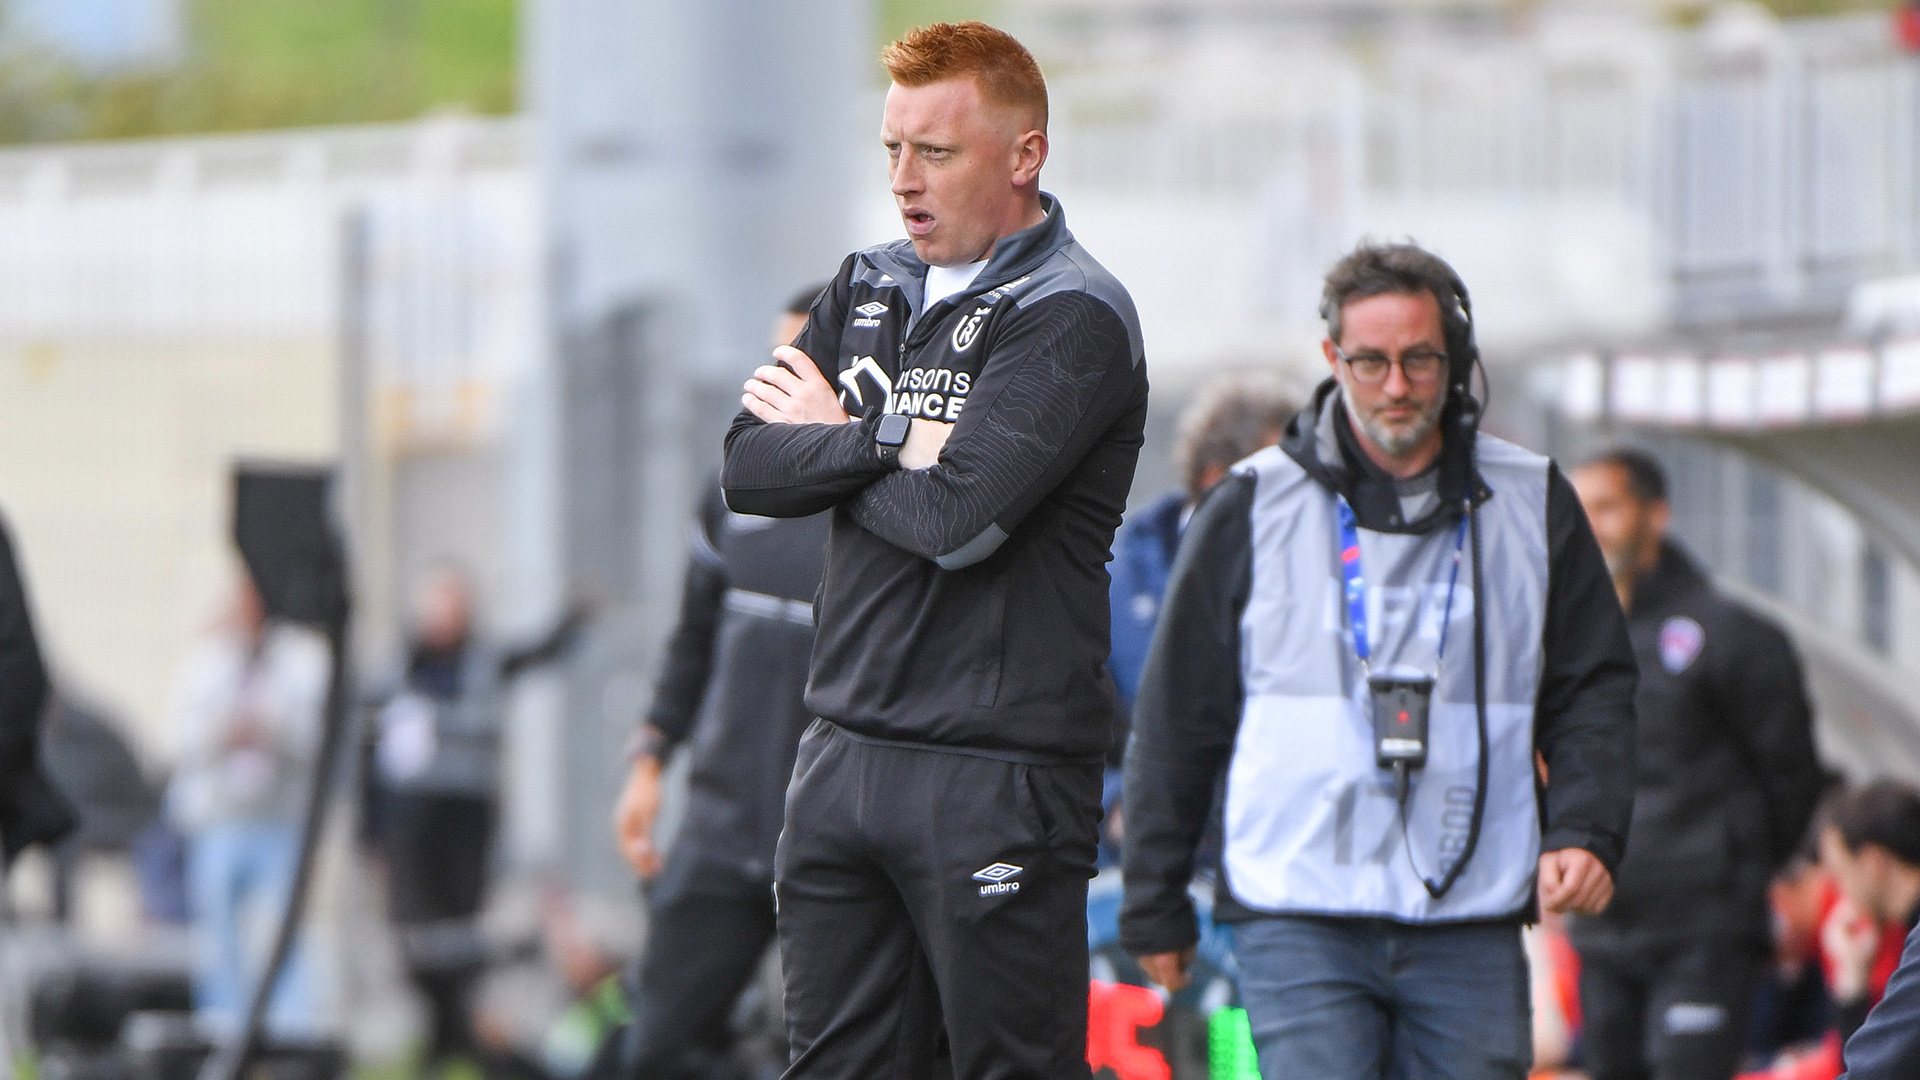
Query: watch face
{"points": [[893, 429]]}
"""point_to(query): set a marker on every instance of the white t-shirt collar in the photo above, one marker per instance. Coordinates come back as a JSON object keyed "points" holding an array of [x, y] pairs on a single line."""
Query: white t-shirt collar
{"points": [[944, 281]]}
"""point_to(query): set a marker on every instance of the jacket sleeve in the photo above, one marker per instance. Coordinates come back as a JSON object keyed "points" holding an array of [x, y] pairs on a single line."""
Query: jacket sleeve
{"points": [[1584, 718], [23, 677], [548, 647], [1887, 1046], [797, 470], [1059, 375], [689, 658], [1764, 704], [1184, 724]]}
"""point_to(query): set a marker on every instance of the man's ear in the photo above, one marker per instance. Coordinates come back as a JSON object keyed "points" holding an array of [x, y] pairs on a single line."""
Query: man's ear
{"points": [[1333, 357], [1030, 154]]}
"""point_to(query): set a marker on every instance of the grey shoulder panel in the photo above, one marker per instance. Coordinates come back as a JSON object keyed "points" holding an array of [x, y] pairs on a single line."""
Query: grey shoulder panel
{"points": [[881, 265], [1275, 476], [1072, 269], [1493, 451], [1517, 469], [1269, 464], [974, 550]]}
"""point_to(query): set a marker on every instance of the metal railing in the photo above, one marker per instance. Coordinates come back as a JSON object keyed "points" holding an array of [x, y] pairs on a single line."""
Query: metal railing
{"points": [[1776, 170]]}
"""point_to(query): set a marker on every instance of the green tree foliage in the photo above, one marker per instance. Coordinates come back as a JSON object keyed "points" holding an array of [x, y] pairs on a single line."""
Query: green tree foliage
{"points": [[1693, 12], [252, 64]]}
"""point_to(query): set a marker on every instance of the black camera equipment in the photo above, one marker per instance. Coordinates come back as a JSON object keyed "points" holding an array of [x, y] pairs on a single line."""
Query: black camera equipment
{"points": [[1399, 720], [284, 526]]}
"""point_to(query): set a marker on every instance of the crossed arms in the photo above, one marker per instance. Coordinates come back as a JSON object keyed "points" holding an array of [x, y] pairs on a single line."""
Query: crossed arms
{"points": [[1057, 375]]}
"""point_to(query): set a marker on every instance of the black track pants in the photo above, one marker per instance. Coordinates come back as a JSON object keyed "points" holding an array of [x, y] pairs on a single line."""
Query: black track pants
{"points": [[1673, 1012], [922, 891], [436, 848], [706, 933]]}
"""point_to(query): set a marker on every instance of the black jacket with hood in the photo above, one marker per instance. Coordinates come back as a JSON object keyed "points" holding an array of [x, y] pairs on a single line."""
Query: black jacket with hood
{"points": [[1189, 705], [732, 682], [1727, 773]]}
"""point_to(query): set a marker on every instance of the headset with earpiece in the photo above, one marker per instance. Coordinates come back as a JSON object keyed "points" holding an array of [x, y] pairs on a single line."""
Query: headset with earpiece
{"points": [[1463, 357]]}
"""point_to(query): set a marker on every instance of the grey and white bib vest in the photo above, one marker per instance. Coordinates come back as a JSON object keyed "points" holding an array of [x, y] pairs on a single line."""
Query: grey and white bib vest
{"points": [[1312, 824]]}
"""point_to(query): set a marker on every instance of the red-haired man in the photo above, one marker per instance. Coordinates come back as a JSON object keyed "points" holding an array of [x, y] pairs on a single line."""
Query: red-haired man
{"points": [[969, 403]]}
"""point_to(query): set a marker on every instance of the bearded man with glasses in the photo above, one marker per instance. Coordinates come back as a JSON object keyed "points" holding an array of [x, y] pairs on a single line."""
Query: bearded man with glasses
{"points": [[1369, 633]]}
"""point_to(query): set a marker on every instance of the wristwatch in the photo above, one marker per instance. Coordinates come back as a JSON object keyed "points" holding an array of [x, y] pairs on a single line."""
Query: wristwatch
{"points": [[889, 436]]}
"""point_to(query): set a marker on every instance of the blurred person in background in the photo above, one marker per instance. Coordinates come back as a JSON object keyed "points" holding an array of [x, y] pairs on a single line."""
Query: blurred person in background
{"points": [[1727, 780], [1377, 912], [969, 402], [435, 791], [1791, 1008], [1870, 843], [248, 709], [584, 941], [731, 688], [1230, 418]]}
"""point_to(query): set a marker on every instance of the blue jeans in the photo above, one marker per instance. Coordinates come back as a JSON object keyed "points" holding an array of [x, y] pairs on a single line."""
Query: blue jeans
{"points": [[239, 874], [1365, 999]]}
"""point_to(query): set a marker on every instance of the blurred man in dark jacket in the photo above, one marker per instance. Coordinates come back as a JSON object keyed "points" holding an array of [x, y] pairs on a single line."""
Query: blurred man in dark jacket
{"points": [[1727, 782], [1231, 417], [731, 688], [435, 783]]}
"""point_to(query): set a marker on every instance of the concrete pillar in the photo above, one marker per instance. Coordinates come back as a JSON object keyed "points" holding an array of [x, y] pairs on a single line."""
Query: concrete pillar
{"points": [[696, 157]]}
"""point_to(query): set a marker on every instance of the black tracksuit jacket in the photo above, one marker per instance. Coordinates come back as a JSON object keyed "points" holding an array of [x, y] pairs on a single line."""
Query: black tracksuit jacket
{"points": [[1727, 776], [732, 681], [1188, 711], [965, 605]]}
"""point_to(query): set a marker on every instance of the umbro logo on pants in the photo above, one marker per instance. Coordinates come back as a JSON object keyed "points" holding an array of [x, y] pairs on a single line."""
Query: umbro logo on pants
{"points": [[997, 877]]}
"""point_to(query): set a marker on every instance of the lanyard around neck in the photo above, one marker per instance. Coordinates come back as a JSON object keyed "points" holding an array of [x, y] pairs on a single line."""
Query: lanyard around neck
{"points": [[1355, 583]]}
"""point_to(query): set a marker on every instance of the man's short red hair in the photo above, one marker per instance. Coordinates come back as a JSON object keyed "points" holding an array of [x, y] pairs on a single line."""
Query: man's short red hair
{"points": [[1004, 69]]}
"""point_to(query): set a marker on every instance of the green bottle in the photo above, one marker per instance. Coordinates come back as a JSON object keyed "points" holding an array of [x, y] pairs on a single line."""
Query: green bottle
{"points": [[1230, 1046]]}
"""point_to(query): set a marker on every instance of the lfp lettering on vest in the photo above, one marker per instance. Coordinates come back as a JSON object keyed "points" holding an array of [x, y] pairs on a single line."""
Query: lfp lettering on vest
{"points": [[1312, 825]]}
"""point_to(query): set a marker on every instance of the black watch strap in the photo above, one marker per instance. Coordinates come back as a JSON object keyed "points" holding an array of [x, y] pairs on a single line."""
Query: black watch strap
{"points": [[889, 435]]}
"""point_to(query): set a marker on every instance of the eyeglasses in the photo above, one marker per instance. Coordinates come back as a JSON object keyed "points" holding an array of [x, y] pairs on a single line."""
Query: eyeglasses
{"points": [[1418, 365]]}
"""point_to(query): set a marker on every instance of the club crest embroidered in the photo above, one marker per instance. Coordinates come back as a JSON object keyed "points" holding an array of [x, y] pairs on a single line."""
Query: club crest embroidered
{"points": [[1680, 642]]}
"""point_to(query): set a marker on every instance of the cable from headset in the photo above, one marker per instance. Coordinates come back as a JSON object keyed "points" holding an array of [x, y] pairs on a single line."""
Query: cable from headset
{"points": [[1401, 778]]}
